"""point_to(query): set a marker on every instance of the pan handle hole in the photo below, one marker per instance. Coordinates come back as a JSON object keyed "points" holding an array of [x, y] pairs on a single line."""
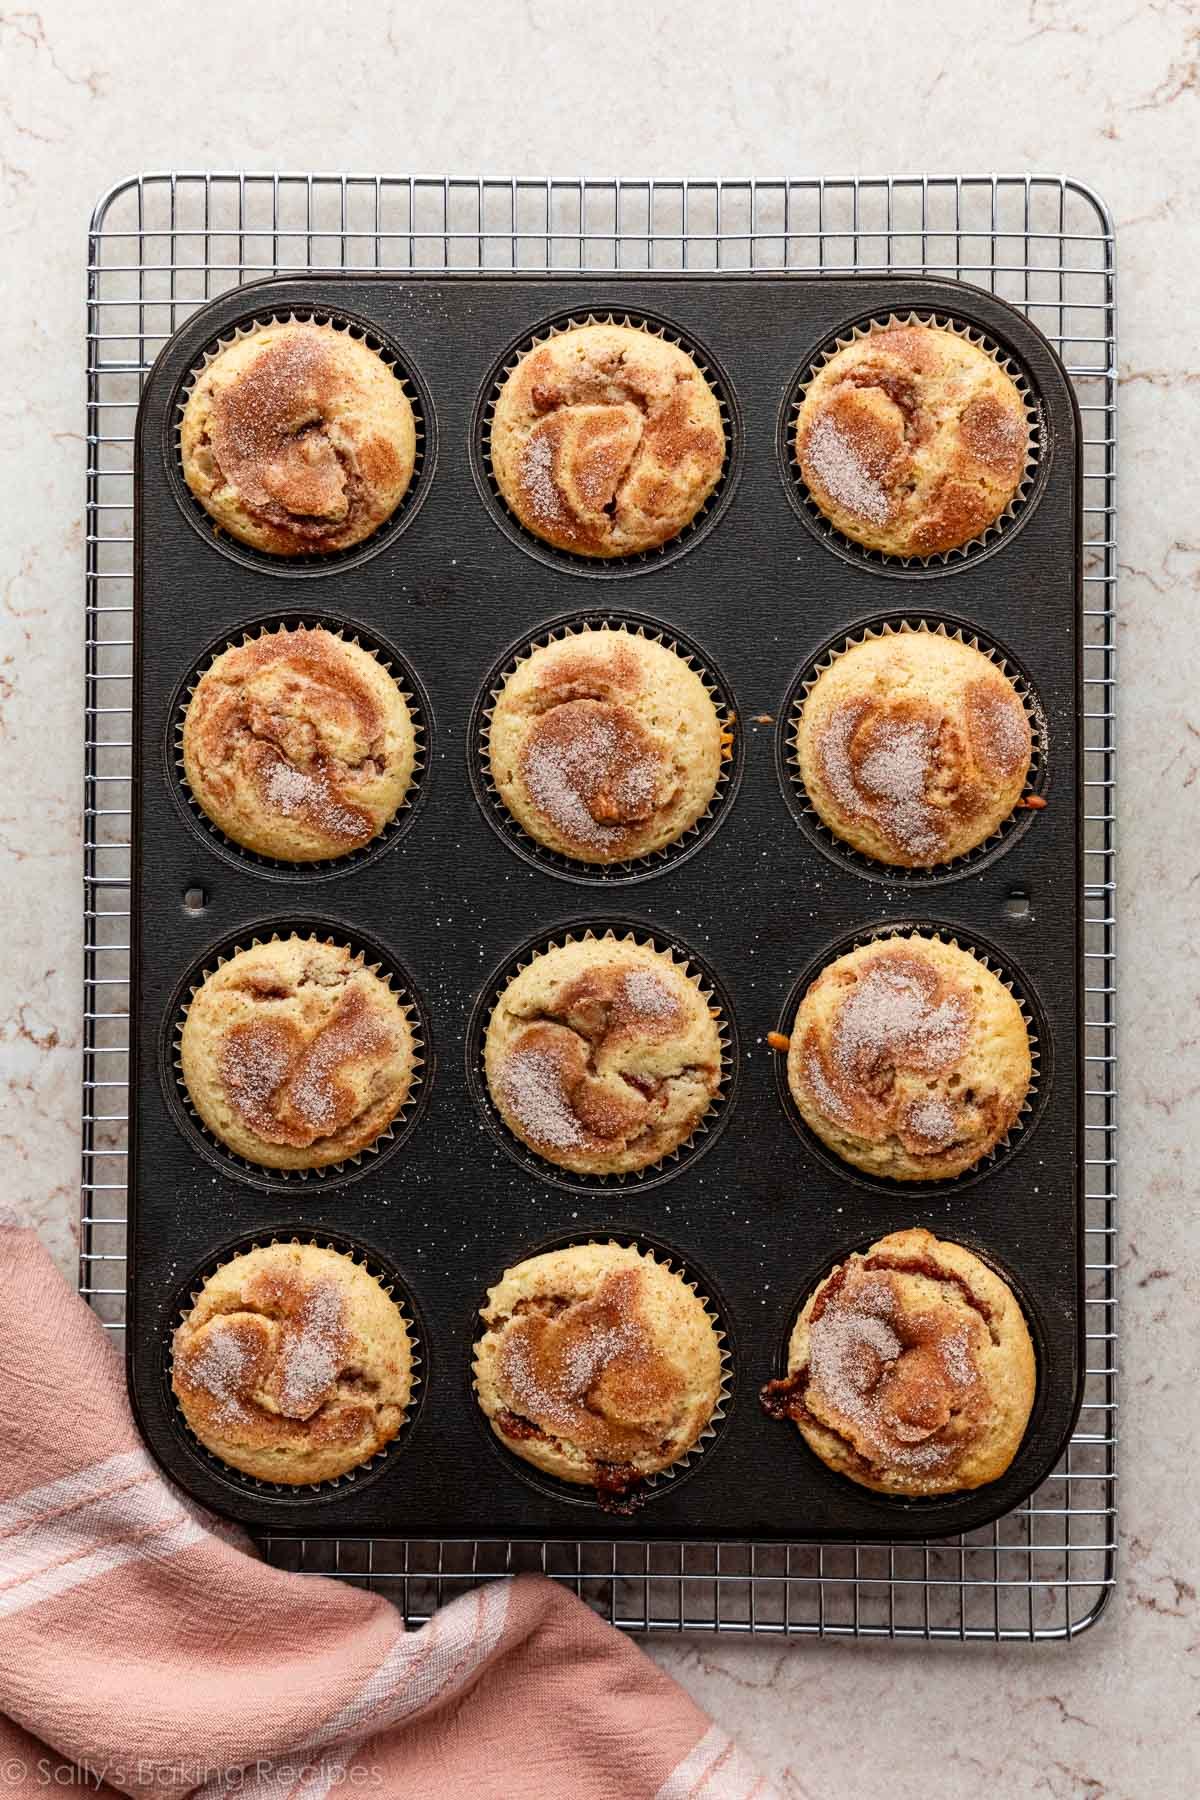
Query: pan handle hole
{"points": [[195, 899], [1017, 904]]}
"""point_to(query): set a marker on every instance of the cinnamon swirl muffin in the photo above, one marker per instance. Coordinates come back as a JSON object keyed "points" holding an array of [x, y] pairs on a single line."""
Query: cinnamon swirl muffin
{"points": [[298, 439], [909, 1058], [298, 745], [603, 1056], [910, 1369], [598, 1365], [296, 1055], [605, 746], [914, 747], [606, 440], [293, 1364], [912, 440]]}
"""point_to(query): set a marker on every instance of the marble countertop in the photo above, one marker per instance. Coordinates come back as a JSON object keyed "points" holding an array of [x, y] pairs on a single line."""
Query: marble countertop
{"points": [[1108, 91]]}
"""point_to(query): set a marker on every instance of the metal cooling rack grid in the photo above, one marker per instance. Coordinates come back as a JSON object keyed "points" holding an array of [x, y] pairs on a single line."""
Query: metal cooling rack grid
{"points": [[159, 246]]}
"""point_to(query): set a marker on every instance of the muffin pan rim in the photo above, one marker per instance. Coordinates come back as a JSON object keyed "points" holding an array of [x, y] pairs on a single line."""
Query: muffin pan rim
{"points": [[629, 870], [587, 282]]}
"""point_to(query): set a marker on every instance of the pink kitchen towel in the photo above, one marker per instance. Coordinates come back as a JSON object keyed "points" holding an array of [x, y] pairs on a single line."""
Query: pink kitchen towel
{"points": [[145, 1649]]}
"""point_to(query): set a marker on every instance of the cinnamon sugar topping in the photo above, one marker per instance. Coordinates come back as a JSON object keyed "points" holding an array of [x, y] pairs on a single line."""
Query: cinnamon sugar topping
{"points": [[535, 1093], [838, 466], [894, 1377], [221, 1368], [591, 769], [878, 765], [292, 1091], [310, 1352], [590, 1372]]}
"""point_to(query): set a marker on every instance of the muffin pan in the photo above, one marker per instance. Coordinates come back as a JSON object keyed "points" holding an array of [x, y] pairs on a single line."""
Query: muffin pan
{"points": [[454, 904]]}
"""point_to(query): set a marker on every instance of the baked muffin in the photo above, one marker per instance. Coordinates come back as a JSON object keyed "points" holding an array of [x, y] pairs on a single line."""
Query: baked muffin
{"points": [[293, 1365], [598, 1365], [603, 1056], [298, 439], [298, 745], [606, 440], [912, 440], [605, 746], [914, 747], [910, 1369], [909, 1058], [296, 1055]]}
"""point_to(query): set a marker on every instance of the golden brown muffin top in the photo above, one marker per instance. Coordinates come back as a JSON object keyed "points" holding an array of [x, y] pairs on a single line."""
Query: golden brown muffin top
{"points": [[293, 1363], [598, 1364], [912, 439], [295, 1054], [284, 1082], [922, 735], [291, 719], [902, 1010], [606, 745], [545, 1077], [603, 1053], [587, 761], [590, 1370], [607, 440], [302, 434], [912, 1365]]}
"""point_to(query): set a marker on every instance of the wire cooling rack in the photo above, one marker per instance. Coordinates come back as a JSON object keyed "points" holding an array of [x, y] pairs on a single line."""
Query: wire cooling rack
{"points": [[162, 244]]}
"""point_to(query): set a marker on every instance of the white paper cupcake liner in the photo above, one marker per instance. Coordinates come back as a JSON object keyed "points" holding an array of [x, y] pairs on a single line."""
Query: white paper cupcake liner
{"points": [[696, 528], [627, 869], [647, 1486], [318, 561], [1017, 507], [411, 692], [263, 1174], [1039, 1054], [707, 1128], [391, 1285], [1017, 822]]}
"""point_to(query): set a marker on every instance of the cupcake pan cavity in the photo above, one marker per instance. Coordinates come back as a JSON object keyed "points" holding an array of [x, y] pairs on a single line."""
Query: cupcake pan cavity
{"points": [[811, 1278], [805, 813], [706, 1132], [454, 589], [1039, 1051], [630, 869], [415, 698], [653, 1487], [258, 1175], [1028, 490], [401, 365], [708, 515], [389, 1279]]}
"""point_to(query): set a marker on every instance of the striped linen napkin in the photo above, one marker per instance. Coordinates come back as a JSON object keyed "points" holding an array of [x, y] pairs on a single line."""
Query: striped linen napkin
{"points": [[145, 1649]]}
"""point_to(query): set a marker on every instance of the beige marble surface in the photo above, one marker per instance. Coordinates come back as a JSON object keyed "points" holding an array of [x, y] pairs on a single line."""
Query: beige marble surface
{"points": [[1108, 90]]}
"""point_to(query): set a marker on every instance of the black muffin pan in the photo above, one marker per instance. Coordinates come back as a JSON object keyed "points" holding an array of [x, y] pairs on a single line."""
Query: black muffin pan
{"points": [[450, 900]]}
